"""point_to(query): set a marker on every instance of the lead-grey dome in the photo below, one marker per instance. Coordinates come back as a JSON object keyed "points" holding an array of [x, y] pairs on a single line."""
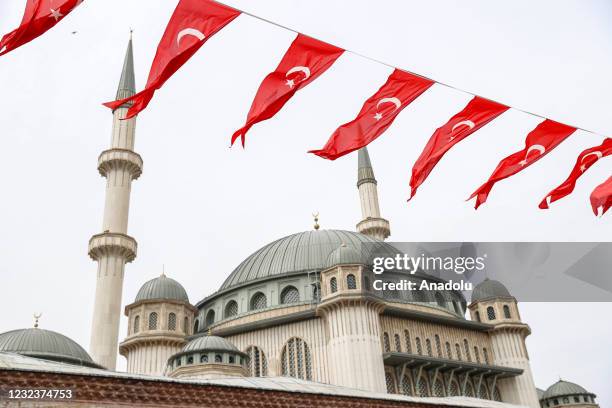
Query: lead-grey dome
{"points": [[564, 388], [45, 344], [489, 289], [210, 343], [343, 255], [162, 288], [302, 252]]}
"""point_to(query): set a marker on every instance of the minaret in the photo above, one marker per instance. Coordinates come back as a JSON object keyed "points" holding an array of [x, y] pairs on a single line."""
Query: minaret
{"points": [[372, 224], [113, 248]]}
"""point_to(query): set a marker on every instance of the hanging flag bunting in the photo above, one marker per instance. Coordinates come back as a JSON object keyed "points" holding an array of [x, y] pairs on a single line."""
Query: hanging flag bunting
{"points": [[376, 115], [477, 113], [191, 25], [38, 18], [601, 197], [539, 142], [585, 160], [303, 62]]}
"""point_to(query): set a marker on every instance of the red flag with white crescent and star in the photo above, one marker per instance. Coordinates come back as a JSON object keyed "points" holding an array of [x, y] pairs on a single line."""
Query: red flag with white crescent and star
{"points": [[477, 113], [303, 62], [377, 114], [541, 140], [601, 197], [585, 160], [191, 25], [38, 18]]}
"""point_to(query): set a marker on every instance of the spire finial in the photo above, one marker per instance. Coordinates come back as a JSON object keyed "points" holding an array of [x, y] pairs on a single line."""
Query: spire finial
{"points": [[315, 215], [36, 317], [163, 275], [131, 32], [209, 333]]}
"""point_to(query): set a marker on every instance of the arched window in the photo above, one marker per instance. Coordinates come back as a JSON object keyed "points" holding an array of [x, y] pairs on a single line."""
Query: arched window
{"points": [[406, 385], [295, 359], [469, 390], [440, 299], [454, 389], [390, 383], [351, 282], [507, 314], [290, 295], [419, 296], [476, 354], [407, 341], [449, 351], [195, 326], [491, 313], [419, 346], [438, 388], [258, 365], [458, 351], [485, 355], [231, 309], [204, 358], [478, 317], [190, 360], [259, 301], [438, 346], [333, 285], [466, 347], [565, 400], [386, 342], [153, 321], [210, 317], [398, 343], [423, 388], [136, 324], [172, 321], [218, 358], [497, 395], [232, 360], [428, 347]]}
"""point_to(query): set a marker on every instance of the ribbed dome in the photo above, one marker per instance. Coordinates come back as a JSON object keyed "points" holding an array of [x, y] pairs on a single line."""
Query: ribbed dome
{"points": [[489, 289], [162, 288], [343, 255], [562, 388], [210, 343], [45, 344], [302, 252]]}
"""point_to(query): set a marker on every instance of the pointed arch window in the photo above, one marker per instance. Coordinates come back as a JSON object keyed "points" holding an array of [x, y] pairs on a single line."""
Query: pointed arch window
{"points": [[398, 343], [172, 321], [438, 346], [351, 282], [491, 313], [466, 347], [290, 294], [428, 347], [407, 385], [454, 389], [231, 309], [458, 351], [390, 383], [257, 363], [386, 342], [153, 321], [419, 347], [333, 285], [407, 341], [296, 360], [476, 355], [485, 355], [438, 388], [469, 390], [259, 301], [423, 388], [136, 324], [507, 314], [210, 317], [449, 351]]}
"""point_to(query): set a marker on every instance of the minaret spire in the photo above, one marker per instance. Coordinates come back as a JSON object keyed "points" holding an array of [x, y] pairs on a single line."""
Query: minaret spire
{"points": [[113, 248], [372, 223]]}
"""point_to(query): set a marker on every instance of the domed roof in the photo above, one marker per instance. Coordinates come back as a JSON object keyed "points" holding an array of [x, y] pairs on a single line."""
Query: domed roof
{"points": [[562, 388], [343, 255], [45, 344], [488, 289], [162, 288], [302, 252], [210, 343]]}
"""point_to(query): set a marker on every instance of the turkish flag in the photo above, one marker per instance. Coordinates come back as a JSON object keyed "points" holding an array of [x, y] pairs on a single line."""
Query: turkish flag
{"points": [[601, 197], [541, 140], [303, 62], [191, 25], [38, 18], [477, 113], [585, 160], [376, 115]]}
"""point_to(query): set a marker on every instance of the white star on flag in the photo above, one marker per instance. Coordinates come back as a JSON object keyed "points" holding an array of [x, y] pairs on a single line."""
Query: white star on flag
{"points": [[290, 83], [56, 14], [378, 116]]}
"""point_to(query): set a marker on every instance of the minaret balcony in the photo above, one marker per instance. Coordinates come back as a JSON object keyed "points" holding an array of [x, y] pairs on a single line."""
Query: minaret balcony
{"points": [[112, 243], [374, 227], [120, 159]]}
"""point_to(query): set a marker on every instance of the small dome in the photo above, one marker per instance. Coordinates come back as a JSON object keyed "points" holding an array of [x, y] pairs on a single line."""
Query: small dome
{"points": [[489, 289], [210, 343], [343, 255], [563, 388], [162, 288], [45, 344]]}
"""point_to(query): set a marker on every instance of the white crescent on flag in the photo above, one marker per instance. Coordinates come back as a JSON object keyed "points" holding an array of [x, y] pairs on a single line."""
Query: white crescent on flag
{"points": [[598, 155], [541, 149], [189, 31], [468, 123], [305, 70], [393, 100]]}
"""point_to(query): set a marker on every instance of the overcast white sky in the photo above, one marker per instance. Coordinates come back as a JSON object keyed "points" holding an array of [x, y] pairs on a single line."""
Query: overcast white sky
{"points": [[200, 208]]}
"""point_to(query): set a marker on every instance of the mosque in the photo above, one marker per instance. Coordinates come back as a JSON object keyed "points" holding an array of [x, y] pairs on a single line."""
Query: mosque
{"points": [[297, 321]]}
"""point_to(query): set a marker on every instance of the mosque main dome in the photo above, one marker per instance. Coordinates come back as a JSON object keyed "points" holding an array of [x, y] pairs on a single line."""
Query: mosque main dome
{"points": [[303, 252], [45, 344]]}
